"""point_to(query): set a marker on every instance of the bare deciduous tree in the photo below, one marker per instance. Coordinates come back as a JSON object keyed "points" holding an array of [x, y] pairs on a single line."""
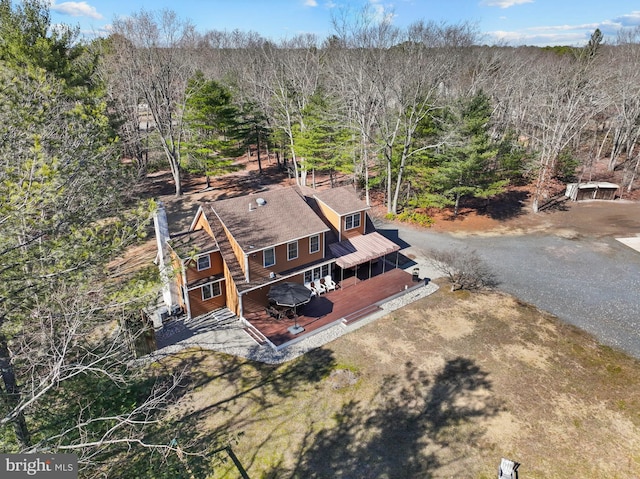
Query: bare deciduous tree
{"points": [[153, 56], [464, 269], [291, 76], [563, 101], [624, 92]]}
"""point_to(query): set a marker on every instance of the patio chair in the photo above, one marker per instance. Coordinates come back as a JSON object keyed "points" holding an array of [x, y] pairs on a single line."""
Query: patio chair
{"points": [[309, 287], [319, 289], [508, 469], [274, 312], [328, 283]]}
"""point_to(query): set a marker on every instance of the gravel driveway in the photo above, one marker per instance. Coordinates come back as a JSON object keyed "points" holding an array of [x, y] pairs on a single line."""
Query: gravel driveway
{"points": [[591, 283]]}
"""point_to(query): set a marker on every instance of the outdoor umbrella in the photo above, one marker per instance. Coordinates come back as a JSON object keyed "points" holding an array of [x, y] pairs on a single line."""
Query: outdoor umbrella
{"points": [[289, 294]]}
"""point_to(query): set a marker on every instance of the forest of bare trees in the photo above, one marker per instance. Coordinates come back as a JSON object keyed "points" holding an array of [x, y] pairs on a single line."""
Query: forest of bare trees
{"points": [[389, 105]]}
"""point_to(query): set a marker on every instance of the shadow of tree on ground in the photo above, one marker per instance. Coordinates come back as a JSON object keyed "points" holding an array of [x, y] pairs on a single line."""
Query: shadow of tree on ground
{"points": [[399, 433], [259, 385]]}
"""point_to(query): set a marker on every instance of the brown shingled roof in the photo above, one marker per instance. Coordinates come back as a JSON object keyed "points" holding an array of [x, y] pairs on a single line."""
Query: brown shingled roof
{"points": [[343, 200], [285, 216], [190, 243]]}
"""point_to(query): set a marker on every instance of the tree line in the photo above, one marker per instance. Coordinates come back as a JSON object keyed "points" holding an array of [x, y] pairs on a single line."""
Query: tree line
{"points": [[425, 114], [67, 208]]}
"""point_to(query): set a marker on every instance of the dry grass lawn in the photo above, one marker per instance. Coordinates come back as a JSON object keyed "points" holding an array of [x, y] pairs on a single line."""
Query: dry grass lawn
{"points": [[442, 388]]}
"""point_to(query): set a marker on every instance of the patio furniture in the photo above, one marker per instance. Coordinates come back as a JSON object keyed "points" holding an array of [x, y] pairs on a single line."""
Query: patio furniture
{"points": [[291, 295], [508, 469], [415, 273], [319, 289], [308, 286], [328, 283], [274, 312]]}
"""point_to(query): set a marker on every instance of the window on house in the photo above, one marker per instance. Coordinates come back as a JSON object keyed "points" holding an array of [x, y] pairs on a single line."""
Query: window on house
{"points": [[211, 290], [325, 270], [269, 257], [292, 250], [314, 244], [204, 262], [316, 273], [352, 221]]}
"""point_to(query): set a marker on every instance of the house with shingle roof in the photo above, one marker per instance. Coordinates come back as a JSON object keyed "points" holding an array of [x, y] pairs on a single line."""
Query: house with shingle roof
{"points": [[237, 248]]}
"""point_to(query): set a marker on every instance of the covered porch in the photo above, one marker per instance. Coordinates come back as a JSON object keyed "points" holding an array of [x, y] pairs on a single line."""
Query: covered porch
{"points": [[354, 299]]}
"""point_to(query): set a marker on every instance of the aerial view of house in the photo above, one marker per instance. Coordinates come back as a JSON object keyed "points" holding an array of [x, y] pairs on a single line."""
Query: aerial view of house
{"points": [[393, 239], [237, 250]]}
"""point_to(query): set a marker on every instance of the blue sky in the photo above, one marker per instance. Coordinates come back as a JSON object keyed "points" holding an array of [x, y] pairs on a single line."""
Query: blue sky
{"points": [[517, 22]]}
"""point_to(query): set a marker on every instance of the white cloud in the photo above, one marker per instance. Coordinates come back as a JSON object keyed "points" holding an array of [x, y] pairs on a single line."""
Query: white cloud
{"points": [[382, 13], [504, 3], [76, 9], [539, 39], [575, 35], [547, 35], [310, 3], [629, 20]]}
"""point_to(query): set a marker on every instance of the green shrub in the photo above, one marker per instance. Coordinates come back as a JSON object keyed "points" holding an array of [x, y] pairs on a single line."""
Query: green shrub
{"points": [[415, 217]]}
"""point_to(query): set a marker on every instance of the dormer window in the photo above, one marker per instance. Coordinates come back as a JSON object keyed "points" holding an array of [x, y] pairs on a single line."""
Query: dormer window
{"points": [[204, 262], [352, 221]]}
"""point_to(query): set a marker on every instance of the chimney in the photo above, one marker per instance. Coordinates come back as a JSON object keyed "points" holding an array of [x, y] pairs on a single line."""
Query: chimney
{"points": [[161, 225]]}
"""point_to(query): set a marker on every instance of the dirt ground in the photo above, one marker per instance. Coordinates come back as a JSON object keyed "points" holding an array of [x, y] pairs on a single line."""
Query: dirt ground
{"points": [[586, 218]]}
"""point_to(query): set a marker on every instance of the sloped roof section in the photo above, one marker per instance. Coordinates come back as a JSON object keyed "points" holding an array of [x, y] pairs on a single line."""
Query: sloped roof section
{"points": [[343, 200], [361, 249], [191, 243], [268, 218]]}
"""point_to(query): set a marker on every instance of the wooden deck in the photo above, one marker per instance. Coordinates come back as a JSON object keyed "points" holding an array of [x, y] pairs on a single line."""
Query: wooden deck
{"points": [[354, 299]]}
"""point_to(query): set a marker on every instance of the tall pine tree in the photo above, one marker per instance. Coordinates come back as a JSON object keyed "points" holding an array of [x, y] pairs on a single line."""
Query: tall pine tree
{"points": [[64, 214], [465, 164]]}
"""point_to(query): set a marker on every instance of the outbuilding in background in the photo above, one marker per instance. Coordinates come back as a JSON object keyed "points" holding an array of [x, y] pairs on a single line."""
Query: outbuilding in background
{"points": [[600, 190]]}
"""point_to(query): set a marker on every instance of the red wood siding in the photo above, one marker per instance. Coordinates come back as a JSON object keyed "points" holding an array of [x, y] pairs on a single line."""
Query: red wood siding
{"points": [[216, 267], [256, 260], [331, 216], [202, 223], [198, 306]]}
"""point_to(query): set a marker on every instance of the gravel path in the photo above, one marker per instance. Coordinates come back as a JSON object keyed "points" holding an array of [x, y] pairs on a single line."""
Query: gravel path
{"points": [[591, 283]]}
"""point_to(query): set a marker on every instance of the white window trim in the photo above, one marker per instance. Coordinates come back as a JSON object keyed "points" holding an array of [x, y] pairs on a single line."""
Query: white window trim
{"points": [[264, 258], [289, 258], [208, 261], [353, 225], [310, 243], [210, 287], [319, 272]]}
